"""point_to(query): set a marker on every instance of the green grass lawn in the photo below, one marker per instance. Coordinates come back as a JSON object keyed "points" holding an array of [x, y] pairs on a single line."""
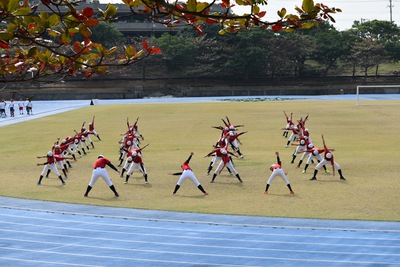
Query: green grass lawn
{"points": [[364, 139]]}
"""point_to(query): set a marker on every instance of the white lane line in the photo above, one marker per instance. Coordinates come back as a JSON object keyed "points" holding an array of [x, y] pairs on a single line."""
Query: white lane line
{"points": [[181, 237], [47, 262], [191, 229], [252, 258], [96, 215], [72, 245]]}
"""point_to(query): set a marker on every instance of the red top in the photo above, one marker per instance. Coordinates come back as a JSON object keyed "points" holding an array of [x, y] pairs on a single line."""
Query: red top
{"points": [[101, 163], [275, 166], [185, 166], [137, 159], [51, 160]]}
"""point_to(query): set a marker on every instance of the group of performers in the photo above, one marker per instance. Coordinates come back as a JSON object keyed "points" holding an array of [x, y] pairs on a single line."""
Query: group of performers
{"points": [[57, 157], [227, 146]]}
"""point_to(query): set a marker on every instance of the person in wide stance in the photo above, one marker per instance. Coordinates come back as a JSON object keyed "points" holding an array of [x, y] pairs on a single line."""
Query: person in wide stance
{"points": [[328, 158], [277, 171], [99, 170], [187, 173], [50, 164]]}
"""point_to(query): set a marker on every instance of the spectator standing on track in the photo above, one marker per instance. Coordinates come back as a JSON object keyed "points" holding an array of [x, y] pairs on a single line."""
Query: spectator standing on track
{"points": [[187, 173], [11, 106], [29, 107], [21, 106], [3, 108], [328, 158], [277, 171], [99, 170]]}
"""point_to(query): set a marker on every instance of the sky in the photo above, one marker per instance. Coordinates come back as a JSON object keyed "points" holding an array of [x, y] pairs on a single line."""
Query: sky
{"points": [[361, 10]]}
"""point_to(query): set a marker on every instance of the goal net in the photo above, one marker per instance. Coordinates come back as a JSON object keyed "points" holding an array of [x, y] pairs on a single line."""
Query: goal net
{"points": [[364, 92]]}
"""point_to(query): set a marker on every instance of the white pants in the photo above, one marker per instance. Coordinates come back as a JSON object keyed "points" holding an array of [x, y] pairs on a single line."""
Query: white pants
{"points": [[188, 174], [298, 149], [324, 162], [278, 172], [228, 165], [293, 137], [311, 156], [50, 166], [235, 145], [100, 172], [136, 166], [214, 160]]}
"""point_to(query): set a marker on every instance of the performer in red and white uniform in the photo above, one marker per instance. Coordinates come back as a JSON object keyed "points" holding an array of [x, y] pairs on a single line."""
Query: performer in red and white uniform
{"points": [[217, 157], [233, 140], [277, 171], [301, 146], [99, 170], [187, 173], [289, 123], [328, 158], [92, 130], [295, 134], [314, 152], [225, 162], [49, 164], [129, 158], [79, 142], [70, 141], [137, 163]]}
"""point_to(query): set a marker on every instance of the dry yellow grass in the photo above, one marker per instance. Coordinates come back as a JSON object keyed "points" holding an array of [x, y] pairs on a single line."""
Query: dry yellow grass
{"points": [[364, 138]]}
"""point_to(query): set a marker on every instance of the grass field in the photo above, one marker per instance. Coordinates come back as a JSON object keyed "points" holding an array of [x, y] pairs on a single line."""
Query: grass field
{"points": [[365, 139]]}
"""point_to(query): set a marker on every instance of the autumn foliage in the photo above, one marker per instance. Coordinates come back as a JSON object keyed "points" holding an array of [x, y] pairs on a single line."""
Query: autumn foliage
{"points": [[41, 44]]}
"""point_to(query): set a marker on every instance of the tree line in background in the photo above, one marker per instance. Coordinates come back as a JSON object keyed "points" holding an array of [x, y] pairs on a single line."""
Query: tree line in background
{"points": [[317, 52]]}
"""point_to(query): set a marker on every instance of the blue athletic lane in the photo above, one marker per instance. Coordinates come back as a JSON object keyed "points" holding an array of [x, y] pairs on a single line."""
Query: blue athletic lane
{"points": [[79, 235]]}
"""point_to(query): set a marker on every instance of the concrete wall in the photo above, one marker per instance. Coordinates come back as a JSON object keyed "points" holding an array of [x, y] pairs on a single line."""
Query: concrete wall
{"points": [[129, 89]]}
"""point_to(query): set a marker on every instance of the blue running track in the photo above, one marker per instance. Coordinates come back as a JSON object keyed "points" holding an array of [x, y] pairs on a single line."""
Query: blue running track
{"points": [[37, 233]]}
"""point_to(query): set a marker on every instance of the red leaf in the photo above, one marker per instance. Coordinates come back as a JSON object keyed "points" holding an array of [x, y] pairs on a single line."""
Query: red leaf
{"points": [[88, 12], [88, 75], [199, 29], [79, 16], [261, 14], [277, 27], [225, 3], [156, 50], [87, 41], [145, 45], [91, 22], [212, 21], [4, 45]]}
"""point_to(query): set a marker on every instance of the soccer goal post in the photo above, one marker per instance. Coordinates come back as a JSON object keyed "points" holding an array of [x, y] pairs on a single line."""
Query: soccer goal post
{"points": [[375, 89]]}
